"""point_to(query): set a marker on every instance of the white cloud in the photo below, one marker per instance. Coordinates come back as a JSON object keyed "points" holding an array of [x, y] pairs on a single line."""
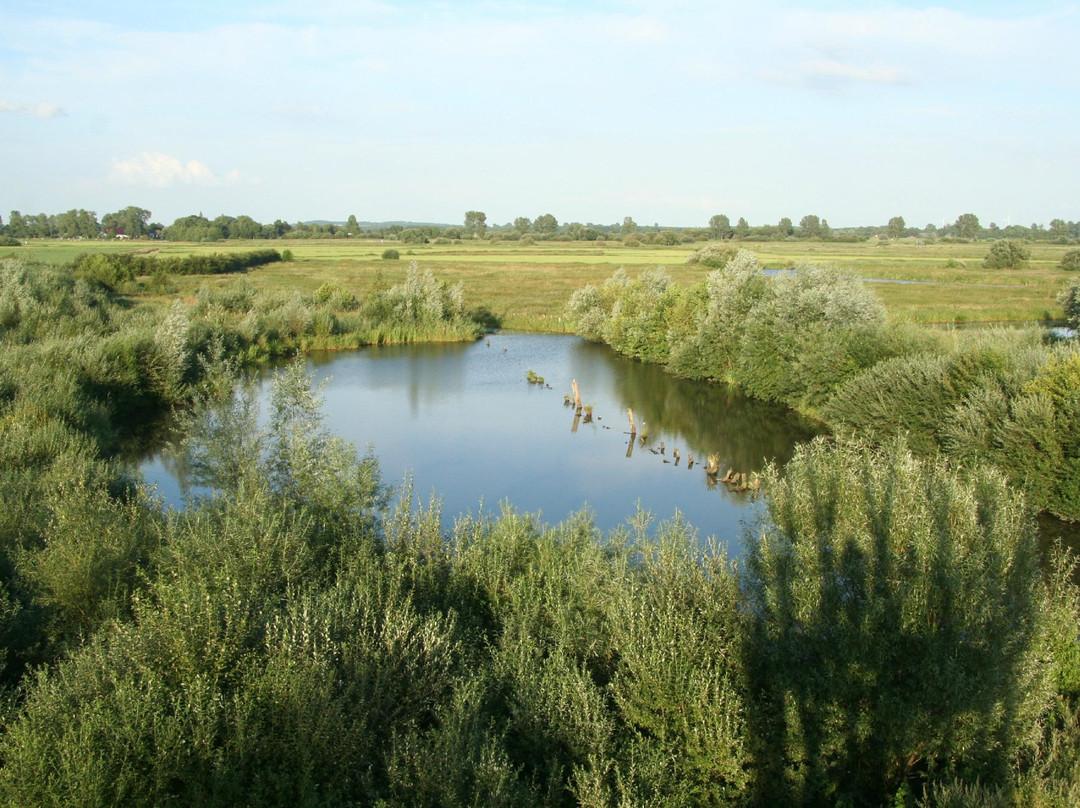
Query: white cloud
{"points": [[833, 71], [157, 170], [43, 110]]}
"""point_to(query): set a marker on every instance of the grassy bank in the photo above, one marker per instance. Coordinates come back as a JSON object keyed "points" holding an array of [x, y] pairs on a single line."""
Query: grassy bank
{"points": [[529, 285]]}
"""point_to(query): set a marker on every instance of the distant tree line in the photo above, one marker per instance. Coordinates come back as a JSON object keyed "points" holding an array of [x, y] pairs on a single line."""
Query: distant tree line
{"points": [[134, 222]]}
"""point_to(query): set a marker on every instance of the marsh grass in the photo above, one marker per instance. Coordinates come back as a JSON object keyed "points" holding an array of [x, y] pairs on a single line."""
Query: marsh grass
{"points": [[529, 285]]}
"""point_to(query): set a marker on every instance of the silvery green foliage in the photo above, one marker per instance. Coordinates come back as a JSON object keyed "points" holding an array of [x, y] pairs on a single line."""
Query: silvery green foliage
{"points": [[294, 457], [587, 312], [733, 293], [823, 294], [170, 338], [422, 299], [714, 254], [1070, 301], [637, 324]]}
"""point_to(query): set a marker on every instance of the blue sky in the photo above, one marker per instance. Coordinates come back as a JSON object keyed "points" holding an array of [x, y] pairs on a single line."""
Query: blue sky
{"points": [[667, 112]]}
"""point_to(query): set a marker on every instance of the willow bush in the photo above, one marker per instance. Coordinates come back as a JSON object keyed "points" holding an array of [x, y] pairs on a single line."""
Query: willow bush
{"points": [[897, 628]]}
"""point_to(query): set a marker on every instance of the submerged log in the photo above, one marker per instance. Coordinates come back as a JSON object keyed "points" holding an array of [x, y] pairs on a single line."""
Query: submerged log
{"points": [[633, 426], [577, 395]]}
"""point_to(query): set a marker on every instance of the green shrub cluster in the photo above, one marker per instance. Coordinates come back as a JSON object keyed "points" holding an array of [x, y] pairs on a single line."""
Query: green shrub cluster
{"points": [[1070, 301], [816, 340], [289, 640], [1007, 254], [114, 269], [786, 339]]}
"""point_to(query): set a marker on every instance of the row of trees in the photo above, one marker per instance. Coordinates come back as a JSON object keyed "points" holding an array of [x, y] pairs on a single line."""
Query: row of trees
{"points": [[134, 222]]}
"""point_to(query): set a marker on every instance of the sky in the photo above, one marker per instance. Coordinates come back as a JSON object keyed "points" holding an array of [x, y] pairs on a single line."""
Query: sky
{"points": [[668, 112]]}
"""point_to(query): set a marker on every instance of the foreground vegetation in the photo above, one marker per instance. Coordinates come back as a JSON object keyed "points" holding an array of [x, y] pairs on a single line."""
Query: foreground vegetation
{"points": [[889, 637]]}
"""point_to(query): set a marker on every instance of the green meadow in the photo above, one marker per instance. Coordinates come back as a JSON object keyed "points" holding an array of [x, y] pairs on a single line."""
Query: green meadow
{"points": [[529, 285]]}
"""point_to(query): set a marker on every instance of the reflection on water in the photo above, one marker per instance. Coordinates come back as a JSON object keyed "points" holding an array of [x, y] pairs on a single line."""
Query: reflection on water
{"points": [[465, 423]]}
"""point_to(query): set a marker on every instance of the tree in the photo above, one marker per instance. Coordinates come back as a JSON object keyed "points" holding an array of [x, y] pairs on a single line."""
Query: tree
{"points": [[17, 225], [809, 226], [896, 227], [131, 222], [720, 226], [742, 228], [628, 226], [245, 227], [967, 226], [785, 227], [1058, 228], [523, 224], [546, 223], [352, 227], [1006, 254], [476, 223]]}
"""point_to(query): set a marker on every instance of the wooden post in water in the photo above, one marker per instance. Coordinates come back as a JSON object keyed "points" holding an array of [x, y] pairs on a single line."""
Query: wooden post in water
{"points": [[577, 396], [633, 426]]}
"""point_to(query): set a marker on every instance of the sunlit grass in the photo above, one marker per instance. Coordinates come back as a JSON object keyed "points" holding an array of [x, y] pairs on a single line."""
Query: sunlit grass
{"points": [[528, 285]]}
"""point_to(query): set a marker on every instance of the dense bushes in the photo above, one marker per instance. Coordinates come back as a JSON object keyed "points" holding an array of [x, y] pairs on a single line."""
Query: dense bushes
{"points": [[279, 644], [1006, 254], [288, 640], [774, 337], [816, 340], [113, 269], [896, 625], [1070, 301]]}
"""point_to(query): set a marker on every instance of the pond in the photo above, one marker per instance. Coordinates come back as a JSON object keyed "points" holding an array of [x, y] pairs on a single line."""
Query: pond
{"points": [[467, 425]]}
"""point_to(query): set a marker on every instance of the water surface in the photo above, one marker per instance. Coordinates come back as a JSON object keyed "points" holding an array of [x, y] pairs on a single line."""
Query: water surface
{"points": [[464, 422]]}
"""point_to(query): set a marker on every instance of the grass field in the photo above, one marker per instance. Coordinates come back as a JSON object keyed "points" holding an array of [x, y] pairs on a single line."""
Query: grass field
{"points": [[527, 286]]}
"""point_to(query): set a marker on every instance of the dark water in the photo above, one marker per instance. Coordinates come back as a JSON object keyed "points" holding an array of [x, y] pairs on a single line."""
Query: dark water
{"points": [[469, 427]]}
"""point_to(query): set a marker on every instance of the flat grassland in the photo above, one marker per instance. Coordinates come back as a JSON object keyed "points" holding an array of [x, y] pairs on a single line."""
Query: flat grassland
{"points": [[527, 286]]}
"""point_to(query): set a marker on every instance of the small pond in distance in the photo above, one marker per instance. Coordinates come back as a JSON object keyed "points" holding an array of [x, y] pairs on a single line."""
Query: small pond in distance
{"points": [[463, 420]]}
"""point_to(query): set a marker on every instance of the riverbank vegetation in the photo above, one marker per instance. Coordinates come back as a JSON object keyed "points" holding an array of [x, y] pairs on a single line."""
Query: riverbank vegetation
{"points": [[527, 286], [818, 340], [290, 639]]}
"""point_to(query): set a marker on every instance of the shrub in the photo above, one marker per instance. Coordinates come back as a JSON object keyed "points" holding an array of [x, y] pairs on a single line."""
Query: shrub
{"points": [[1070, 301], [390, 254], [8, 241], [715, 254], [1006, 254], [287, 256], [1070, 261], [897, 625]]}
